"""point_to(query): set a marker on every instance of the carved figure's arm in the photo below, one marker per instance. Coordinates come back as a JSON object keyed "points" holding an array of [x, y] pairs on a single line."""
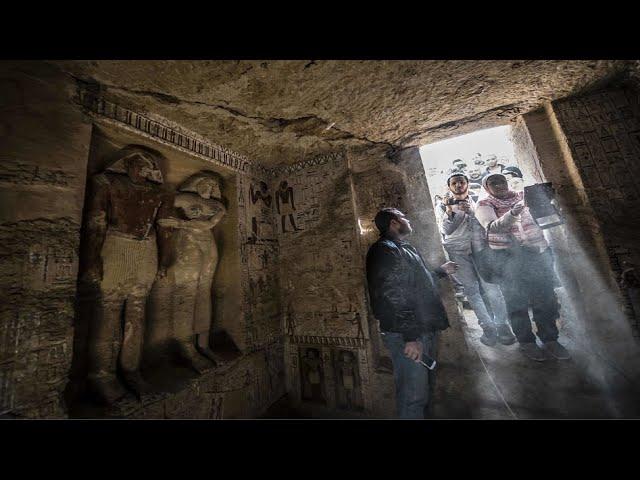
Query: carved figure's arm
{"points": [[293, 205], [97, 222]]}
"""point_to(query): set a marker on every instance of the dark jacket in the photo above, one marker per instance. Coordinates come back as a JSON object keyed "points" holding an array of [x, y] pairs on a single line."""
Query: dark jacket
{"points": [[403, 293]]}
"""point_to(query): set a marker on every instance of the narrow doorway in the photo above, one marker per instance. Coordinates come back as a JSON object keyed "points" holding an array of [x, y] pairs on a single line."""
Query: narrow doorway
{"points": [[510, 385]]}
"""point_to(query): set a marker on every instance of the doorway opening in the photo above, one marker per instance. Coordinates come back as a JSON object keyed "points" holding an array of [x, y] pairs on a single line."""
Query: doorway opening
{"points": [[474, 153], [477, 155]]}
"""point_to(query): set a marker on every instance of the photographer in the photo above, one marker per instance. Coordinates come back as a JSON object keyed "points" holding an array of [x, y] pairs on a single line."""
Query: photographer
{"points": [[524, 266], [462, 234]]}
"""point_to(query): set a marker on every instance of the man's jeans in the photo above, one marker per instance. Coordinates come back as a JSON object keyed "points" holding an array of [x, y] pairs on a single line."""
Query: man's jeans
{"points": [[467, 274], [527, 279], [411, 378]]}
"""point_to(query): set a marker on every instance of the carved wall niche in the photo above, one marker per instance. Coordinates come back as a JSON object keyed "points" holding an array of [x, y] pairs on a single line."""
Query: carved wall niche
{"points": [[159, 370]]}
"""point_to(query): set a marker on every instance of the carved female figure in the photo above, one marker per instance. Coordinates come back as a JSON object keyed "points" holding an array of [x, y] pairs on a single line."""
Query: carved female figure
{"points": [[188, 261]]}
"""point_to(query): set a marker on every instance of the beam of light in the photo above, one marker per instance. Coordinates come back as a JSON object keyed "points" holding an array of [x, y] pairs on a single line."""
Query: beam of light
{"points": [[592, 317]]}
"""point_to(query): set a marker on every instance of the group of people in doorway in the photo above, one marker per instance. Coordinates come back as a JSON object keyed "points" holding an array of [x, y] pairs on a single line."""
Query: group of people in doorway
{"points": [[496, 251]]}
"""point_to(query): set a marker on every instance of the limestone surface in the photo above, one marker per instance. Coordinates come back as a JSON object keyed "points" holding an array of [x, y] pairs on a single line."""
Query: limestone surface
{"points": [[281, 112]]}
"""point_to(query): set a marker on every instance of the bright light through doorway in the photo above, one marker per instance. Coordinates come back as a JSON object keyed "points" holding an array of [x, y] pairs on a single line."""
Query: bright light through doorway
{"points": [[437, 157]]}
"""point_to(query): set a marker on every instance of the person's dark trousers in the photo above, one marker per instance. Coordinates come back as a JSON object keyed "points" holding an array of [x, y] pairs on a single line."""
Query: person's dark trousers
{"points": [[411, 378], [528, 279]]}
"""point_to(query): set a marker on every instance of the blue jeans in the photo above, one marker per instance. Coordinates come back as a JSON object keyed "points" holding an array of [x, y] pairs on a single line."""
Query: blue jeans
{"points": [[411, 378], [467, 275]]}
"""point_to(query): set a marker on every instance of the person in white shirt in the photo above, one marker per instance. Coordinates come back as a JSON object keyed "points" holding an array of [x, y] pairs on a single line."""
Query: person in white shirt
{"points": [[462, 234]]}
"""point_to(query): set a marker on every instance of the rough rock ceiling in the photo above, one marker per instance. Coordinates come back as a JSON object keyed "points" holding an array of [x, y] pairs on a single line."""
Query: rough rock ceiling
{"points": [[280, 112]]}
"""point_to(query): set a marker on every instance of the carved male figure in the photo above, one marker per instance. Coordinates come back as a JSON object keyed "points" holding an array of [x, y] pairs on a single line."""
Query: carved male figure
{"points": [[121, 261], [347, 377], [285, 205], [264, 195], [312, 371], [188, 261]]}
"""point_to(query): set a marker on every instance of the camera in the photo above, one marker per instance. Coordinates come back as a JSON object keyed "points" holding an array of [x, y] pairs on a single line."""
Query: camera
{"points": [[451, 201]]}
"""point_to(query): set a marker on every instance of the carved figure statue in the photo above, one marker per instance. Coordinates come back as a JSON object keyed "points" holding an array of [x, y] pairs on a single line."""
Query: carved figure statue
{"points": [[358, 322], [290, 321], [346, 379], [312, 375], [188, 261], [264, 195], [285, 205], [121, 263]]}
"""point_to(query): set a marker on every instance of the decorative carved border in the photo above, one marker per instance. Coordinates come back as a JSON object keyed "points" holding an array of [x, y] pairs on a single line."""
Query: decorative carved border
{"points": [[319, 340], [312, 162], [187, 142], [165, 134]]}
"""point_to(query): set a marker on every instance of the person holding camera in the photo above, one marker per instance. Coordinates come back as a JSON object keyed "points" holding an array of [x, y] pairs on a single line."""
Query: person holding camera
{"points": [[523, 266], [462, 235], [404, 298]]}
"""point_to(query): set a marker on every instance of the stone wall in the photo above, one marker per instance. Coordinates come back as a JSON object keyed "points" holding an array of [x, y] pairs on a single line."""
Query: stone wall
{"points": [[548, 143], [44, 150], [322, 273], [323, 299], [52, 142], [603, 133], [245, 298]]}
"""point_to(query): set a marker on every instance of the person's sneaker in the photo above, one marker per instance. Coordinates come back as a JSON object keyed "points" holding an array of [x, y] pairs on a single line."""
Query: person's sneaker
{"points": [[489, 335], [557, 351], [532, 351], [505, 336]]}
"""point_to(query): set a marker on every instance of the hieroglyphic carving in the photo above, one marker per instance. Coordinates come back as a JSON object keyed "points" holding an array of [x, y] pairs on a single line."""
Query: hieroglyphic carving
{"points": [[319, 340], [285, 206], [12, 171], [603, 130], [347, 379], [160, 132], [312, 375], [261, 216], [215, 409], [259, 252]]}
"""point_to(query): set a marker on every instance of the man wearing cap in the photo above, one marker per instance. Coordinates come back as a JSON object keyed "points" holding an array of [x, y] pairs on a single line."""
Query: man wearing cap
{"points": [[525, 267], [459, 165], [404, 298], [462, 235], [514, 178]]}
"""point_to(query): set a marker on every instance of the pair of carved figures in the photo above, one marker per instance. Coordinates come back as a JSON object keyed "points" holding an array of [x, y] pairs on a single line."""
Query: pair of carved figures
{"points": [[140, 234], [346, 372]]}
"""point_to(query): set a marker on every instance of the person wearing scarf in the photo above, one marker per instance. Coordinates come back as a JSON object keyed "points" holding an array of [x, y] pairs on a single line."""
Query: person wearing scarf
{"points": [[460, 231], [526, 266]]}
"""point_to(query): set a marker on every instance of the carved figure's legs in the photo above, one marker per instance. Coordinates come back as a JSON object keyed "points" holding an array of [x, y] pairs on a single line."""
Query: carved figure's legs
{"points": [[293, 223], [132, 341], [129, 268], [104, 346], [185, 301], [204, 307]]}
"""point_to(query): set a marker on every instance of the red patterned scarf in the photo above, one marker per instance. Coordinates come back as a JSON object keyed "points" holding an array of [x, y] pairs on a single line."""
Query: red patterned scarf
{"points": [[527, 231]]}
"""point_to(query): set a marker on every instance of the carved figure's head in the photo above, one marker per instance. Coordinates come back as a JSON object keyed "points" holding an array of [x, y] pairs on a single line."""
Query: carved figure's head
{"points": [[138, 163], [207, 184]]}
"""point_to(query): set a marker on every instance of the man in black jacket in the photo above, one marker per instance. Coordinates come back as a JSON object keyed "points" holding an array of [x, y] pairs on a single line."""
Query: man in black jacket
{"points": [[404, 298]]}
